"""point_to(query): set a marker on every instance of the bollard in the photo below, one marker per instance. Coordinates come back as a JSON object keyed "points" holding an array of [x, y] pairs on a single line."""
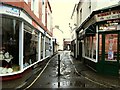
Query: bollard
{"points": [[58, 64]]}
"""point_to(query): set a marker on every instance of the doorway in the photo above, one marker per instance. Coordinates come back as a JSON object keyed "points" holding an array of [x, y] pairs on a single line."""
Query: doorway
{"points": [[108, 60]]}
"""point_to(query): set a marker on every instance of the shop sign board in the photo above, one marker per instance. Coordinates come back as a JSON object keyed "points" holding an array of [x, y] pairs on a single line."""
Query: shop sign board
{"points": [[9, 10], [107, 15]]}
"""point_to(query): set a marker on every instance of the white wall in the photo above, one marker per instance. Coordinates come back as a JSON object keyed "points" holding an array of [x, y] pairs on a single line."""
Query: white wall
{"points": [[35, 7], [59, 36], [72, 24], [95, 5], [43, 12], [49, 19]]}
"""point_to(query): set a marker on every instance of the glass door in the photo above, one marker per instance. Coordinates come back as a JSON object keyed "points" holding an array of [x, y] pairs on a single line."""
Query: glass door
{"points": [[109, 52], [108, 46], [111, 46]]}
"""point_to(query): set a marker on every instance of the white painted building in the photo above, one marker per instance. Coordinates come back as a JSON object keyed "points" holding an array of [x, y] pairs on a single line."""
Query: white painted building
{"points": [[81, 11], [58, 34]]}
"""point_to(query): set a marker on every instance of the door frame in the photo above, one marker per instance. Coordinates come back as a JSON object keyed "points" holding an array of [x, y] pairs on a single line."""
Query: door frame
{"points": [[111, 64]]}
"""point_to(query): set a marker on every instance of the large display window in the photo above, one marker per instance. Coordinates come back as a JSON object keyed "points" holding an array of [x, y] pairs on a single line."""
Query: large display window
{"points": [[30, 46], [47, 47], [90, 47], [108, 46], [42, 45], [100, 47], [9, 45], [111, 47]]}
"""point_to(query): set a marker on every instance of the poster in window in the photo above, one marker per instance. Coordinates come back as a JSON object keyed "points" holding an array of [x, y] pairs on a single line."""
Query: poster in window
{"points": [[110, 52], [110, 55]]}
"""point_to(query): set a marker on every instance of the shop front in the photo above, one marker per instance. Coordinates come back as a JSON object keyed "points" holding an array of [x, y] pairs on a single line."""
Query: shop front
{"points": [[9, 45], [108, 43], [101, 42], [23, 43]]}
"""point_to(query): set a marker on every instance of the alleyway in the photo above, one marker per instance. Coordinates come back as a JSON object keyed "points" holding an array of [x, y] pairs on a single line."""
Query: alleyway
{"points": [[68, 78], [74, 74]]}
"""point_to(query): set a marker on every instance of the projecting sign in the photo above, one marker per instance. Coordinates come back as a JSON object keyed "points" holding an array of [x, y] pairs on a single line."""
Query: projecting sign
{"points": [[107, 15]]}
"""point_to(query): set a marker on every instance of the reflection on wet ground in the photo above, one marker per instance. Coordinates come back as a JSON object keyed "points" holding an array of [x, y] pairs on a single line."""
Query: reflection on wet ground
{"points": [[68, 77]]}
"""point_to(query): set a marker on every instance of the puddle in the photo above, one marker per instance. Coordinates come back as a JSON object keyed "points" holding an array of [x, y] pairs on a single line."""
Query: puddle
{"points": [[69, 84]]}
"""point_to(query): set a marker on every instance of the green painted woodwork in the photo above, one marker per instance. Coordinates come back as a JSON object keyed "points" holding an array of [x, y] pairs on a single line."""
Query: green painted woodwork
{"points": [[108, 67]]}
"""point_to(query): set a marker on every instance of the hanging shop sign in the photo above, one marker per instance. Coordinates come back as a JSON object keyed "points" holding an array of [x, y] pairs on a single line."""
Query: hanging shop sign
{"points": [[9, 10], [107, 15]]}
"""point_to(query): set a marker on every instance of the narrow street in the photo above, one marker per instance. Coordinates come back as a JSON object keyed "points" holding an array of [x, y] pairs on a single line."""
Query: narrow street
{"points": [[73, 74], [69, 77]]}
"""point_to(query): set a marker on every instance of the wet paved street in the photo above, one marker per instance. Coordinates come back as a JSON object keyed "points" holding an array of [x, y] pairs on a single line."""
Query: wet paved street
{"points": [[69, 77]]}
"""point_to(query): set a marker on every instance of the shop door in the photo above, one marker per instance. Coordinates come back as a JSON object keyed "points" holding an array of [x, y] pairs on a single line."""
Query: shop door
{"points": [[109, 59]]}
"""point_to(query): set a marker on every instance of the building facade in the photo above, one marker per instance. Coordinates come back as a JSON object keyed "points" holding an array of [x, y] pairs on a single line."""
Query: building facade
{"points": [[73, 27], [26, 35], [97, 36], [58, 35], [66, 44]]}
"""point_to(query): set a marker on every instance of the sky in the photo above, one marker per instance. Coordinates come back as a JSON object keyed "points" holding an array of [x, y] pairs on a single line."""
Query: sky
{"points": [[61, 12]]}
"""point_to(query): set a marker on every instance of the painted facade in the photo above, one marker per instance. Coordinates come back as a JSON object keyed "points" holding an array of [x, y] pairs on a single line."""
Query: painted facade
{"points": [[26, 35], [97, 36]]}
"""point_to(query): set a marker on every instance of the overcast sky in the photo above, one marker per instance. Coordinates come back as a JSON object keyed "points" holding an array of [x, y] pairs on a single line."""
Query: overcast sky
{"points": [[62, 11]]}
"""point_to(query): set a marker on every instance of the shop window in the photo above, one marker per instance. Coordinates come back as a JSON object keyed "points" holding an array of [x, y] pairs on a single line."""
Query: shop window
{"points": [[47, 45], [100, 47], [9, 46], [94, 47], [42, 45], [30, 46], [90, 47], [111, 47]]}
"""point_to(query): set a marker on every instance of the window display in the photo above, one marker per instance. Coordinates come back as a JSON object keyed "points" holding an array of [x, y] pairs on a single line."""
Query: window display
{"points": [[100, 47], [42, 43], [90, 47], [111, 47], [47, 45], [9, 47], [30, 46], [94, 47]]}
